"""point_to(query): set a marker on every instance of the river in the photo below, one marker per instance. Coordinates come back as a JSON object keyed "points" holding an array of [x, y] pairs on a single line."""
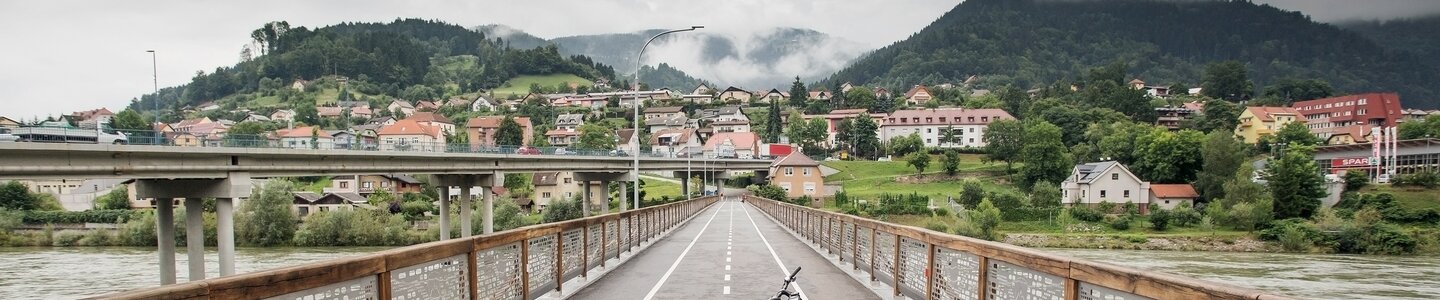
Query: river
{"points": [[74, 272], [1305, 276]]}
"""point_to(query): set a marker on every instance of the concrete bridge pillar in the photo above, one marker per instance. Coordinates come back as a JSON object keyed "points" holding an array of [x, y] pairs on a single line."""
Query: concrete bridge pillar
{"points": [[584, 198], [164, 191], [585, 178], [624, 205], [465, 183]]}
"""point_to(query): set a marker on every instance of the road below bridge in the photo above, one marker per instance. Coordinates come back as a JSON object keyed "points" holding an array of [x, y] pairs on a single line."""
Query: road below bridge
{"points": [[729, 251]]}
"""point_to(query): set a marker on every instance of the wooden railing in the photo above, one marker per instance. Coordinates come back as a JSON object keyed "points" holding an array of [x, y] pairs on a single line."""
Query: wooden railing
{"points": [[925, 264], [522, 263]]}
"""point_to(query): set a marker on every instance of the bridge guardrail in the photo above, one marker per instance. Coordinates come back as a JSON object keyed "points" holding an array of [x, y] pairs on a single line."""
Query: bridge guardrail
{"points": [[925, 264], [40, 134], [522, 263]]}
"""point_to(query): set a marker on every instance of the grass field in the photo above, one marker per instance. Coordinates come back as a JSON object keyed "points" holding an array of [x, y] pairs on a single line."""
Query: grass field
{"points": [[872, 178], [520, 86], [1409, 197], [655, 188]]}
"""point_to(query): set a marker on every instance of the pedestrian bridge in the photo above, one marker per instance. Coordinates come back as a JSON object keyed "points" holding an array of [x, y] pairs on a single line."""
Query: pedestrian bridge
{"points": [[732, 248]]}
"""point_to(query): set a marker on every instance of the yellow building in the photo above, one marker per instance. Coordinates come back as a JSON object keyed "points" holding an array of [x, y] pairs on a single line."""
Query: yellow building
{"points": [[1259, 121]]}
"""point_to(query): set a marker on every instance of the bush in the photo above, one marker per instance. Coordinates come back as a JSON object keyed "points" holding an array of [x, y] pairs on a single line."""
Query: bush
{"points": [[1159, 218], [896, 204], [1427, 179], [937, 226], [266, 220], [118, 198], [562, 210], [348, 227], [1294, 239], [1029, 213], [942, 212], [1184, 215], [985, 218], [139, 231], [79, 217], [772, 192], [1087, 214], [1119, 222], [1137, 239]]}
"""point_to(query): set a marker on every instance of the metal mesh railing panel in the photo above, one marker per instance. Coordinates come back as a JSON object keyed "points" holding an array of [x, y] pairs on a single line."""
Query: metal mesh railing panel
{"points": [[542, 265], [594, 246], [1010, 282], [497, 273], [885, 257], [358, 288], [627, 235], [914, 258], [957, 275], [835, 235], [438, 279], [1094, 292], [847, 242], [863, 242], [573, 251], [612, 240]]}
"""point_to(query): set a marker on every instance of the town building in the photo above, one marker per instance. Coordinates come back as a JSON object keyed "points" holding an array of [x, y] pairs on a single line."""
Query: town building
{"points": [[558, 186], [434, 120], [625, 141], [1348, 119], [918, 95], [666, 111], [402, 106], [1259, 121], [1104, 182], [283, 115], [481, 130], [7, 122], [95, 116], [735, 95], [771, 96], [569, 121], [702, 89], [676, 142], [308, 137], [307, 203], [799, 176], [1150, 90], [1170, 196], [732, 145], [369, 184], [411, 135], [731, 126], [1171, 117], [562, 137], [833, 119], [1410, 156], [944, 127], [721, 114]]}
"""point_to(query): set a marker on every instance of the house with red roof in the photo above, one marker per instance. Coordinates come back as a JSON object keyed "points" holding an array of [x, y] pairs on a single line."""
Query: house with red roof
{"points": [[308, 137], [481, 130], [732, 145], [411, 135], [1258, 121], [918, 95], [1169, 196]]}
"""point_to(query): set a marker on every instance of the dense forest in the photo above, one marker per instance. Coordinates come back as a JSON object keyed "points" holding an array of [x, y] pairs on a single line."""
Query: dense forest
{"points": [[1417, 36], [1031, 43], [380, 58], [668, 77]]}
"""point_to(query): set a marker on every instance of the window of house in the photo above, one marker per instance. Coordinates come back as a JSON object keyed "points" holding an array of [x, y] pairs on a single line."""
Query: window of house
{"points": [[304, 211], [569, 195], [367, 185], [927, 130], [786, 186], [809, 188], [927, 141], [1114, 176], [545, 195], [567, 180], [1102, 193], [805, 171], [1362, 101], [1127, 193], [972, 140], [789, 171], [344, 184]]}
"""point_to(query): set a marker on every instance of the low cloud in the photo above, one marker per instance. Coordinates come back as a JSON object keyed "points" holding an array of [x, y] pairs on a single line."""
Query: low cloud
{"points": [[759, 59]]}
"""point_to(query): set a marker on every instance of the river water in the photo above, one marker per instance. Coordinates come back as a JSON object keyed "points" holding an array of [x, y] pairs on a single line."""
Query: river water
{"points": [[1305, 276], [75, 272]]}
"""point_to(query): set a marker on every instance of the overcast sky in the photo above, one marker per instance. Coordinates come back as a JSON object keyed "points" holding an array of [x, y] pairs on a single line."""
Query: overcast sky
{"points": [[66, 55]]}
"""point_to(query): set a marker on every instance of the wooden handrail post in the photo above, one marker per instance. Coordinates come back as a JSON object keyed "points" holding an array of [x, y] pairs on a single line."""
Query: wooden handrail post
{"points": [[470, 276], [585, 252], [559, 259], [897, 270], [983, 276], [605, 242], [872, 254], [930, 273], [525, 269], [383, 288]]}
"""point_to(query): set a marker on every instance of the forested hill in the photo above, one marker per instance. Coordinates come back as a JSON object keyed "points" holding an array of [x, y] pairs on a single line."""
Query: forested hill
{"points": [[1032, 43], [381, 59], [1417, 35]]}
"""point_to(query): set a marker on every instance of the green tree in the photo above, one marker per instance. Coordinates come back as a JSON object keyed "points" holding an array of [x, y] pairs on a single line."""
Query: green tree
{"points": [[1044, 155], [1219, 116], [562, 210], [1045, 194], [1169, 157], [117, 198], [1290, 90], [510, 133], [1227, 80], [986, 218], [1296, 134], [1003, 141], [772, 124], [266, 220], [919, 160], [380, 198], [1159, 218], [595, 136], [129, 119], [16, 196], [772, 192], [904, 145], [859, 97], [863, 135], [1296, 184], [1221, 156], [1427, 128], [808, 134], [799, 96], [951, 162], [507, 216], [1356, 180]]}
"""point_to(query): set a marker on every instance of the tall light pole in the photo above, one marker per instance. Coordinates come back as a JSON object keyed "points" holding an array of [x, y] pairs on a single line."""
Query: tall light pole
{"points": [[155, 80], [635, 103]]}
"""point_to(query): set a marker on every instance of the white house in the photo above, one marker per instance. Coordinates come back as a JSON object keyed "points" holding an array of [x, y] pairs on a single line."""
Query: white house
{"points": [[1107, 181], [481, 104], [675, 141], [966, 126], [301, 138]]}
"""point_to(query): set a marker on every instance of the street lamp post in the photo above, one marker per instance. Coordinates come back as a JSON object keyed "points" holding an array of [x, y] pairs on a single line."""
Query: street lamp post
{"points": [[155, 81], [635, 103]]}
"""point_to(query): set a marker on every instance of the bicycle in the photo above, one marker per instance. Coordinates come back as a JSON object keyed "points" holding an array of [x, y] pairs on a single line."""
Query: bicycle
{"points": [[785, 288]]}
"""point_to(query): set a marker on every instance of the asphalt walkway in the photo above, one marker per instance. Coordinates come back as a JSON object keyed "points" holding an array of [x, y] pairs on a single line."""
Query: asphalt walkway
{"points": [[729, 251]]}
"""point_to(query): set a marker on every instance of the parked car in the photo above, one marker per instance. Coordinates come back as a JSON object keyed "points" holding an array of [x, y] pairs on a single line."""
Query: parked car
{"points": [[618, 153], [562, 151], [527, 150], [5, 135]]}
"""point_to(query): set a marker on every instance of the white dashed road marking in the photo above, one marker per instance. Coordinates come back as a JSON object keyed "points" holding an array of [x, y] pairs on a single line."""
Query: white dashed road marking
{"points": [[783, 270], [656, 289]]}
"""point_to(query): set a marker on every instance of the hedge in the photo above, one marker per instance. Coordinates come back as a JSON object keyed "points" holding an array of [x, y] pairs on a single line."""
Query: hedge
{"points": [[79, 217], [1029, 213]]}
